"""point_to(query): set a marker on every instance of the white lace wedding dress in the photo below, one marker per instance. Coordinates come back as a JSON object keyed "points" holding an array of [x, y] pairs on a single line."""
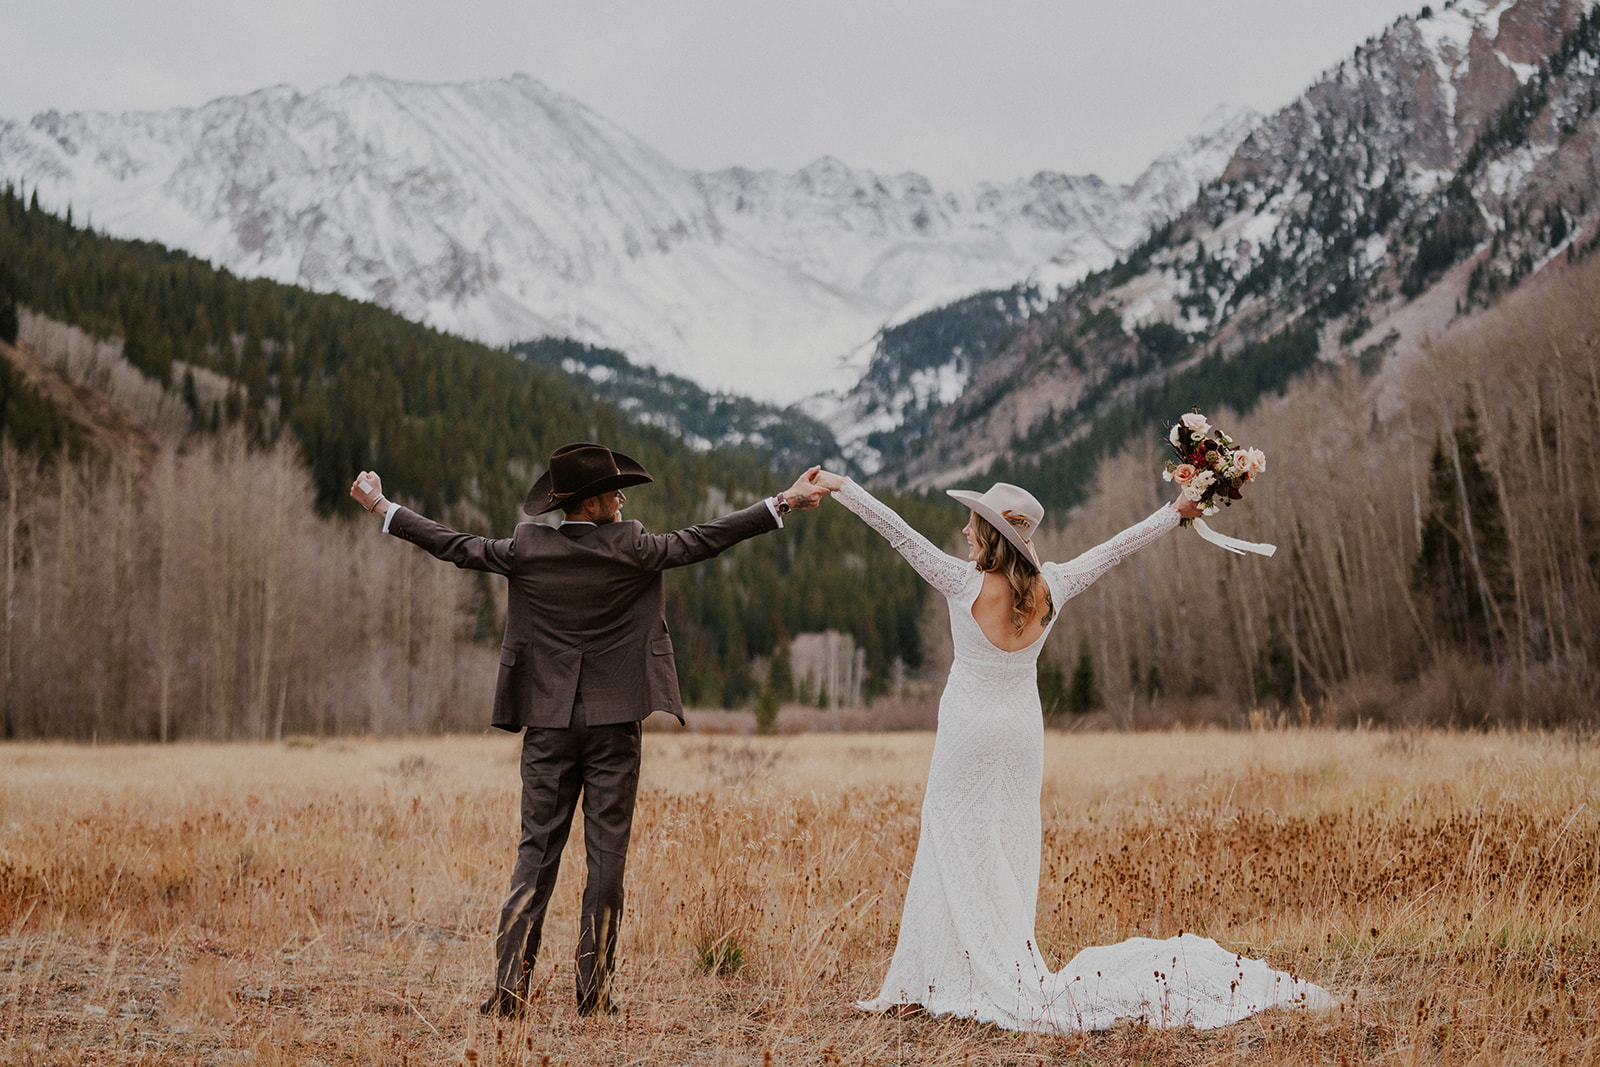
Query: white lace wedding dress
{"points": [[966, 944]]}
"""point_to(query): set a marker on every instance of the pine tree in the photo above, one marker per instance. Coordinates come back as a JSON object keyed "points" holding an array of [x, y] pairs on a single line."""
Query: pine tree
{"points": [[1083, 693], [1052, 688], [8, 302], [1274, 674], [780, 676], [1461, 569], [766, 710]]}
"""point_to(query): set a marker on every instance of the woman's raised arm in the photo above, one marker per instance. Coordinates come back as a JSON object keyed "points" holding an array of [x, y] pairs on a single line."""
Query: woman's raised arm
{"points": [[941, 570], [1069, 579]]}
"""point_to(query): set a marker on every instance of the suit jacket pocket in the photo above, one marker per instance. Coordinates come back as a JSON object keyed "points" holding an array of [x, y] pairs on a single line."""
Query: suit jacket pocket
{"points": [[511, 691], [661, 677]]}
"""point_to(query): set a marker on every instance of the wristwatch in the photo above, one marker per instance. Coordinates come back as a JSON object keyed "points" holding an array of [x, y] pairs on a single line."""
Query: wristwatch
{"points": [[781, 504]]}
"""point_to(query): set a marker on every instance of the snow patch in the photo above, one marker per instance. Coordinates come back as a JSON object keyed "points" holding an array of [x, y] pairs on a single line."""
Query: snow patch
{"points": [[595, 372], [1374, 250]]}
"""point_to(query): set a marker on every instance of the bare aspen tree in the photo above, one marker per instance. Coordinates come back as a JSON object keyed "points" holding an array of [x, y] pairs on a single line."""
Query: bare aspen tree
{"points": [[162, 505], [378, 693], [277, 490], [443, 605], [405, 613], [12, 472], [196, 603], [65, 686], [124, 601], [224, 566]]}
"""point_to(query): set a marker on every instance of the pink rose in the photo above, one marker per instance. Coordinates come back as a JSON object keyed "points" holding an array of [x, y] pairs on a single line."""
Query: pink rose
{"points": [[1183, 473], [1196, 423], [1257, 461]]}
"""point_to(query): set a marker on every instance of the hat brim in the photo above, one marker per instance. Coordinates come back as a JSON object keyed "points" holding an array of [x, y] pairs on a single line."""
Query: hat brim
{"points": [[994, 518], [542, 499]]}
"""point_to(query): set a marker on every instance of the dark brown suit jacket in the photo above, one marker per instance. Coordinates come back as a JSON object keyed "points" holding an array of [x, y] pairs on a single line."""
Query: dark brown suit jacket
{"points": [[584, 613]]}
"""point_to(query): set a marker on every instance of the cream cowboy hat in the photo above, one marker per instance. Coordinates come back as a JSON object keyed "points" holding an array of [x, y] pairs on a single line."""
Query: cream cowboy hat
{"points": [[1011, 509]]}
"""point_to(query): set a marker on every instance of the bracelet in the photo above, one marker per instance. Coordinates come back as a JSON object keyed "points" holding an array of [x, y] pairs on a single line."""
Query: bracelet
{"points": [[374, 507]]}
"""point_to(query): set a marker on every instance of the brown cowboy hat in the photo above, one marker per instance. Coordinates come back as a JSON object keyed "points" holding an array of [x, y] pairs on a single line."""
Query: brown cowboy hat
{"points": [[581, 470]]}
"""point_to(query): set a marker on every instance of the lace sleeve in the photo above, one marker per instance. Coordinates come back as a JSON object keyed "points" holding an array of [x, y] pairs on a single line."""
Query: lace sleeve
{"points": [[1069, 579], [942, 571]]}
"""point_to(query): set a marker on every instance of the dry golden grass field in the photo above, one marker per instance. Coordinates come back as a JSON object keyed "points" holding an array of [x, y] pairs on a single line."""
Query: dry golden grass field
{"points": [[330, 902]]}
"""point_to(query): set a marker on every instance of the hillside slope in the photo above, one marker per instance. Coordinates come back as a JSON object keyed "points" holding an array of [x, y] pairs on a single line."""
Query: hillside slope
{"points": [[58, 412], [1443, 162]]}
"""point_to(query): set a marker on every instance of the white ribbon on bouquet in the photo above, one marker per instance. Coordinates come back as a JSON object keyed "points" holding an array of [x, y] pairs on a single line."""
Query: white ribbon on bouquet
{"points": [[1232, 544]]}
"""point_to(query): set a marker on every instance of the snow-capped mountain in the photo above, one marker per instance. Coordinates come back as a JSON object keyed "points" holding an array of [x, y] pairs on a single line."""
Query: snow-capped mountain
{"points": [[503, 210], [1446, 159], [921, 362]]}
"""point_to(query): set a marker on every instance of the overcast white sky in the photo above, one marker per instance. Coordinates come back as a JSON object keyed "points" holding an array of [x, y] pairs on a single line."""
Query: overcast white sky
{"points": [[957, 89]]}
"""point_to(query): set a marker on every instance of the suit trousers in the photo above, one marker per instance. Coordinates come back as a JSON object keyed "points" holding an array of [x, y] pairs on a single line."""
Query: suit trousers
{"points": [[600, 763]]}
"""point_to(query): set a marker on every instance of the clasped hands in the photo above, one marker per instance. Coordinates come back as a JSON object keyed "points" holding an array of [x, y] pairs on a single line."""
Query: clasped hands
{"points": [[809, 489], [806, 492]]}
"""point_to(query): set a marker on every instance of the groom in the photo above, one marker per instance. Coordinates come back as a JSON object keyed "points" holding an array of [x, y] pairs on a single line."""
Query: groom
{"points": [[586, 657]]}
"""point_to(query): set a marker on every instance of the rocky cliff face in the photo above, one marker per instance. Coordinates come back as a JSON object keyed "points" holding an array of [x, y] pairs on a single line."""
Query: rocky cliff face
{"points": [[1439, 164]]}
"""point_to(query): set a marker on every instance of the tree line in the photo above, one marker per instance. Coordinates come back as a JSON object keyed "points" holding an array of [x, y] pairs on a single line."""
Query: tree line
{"points": [[1437, 529]]}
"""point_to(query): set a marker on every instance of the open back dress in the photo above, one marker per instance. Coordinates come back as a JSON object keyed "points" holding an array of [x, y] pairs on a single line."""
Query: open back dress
{"points": [[966, 945]]}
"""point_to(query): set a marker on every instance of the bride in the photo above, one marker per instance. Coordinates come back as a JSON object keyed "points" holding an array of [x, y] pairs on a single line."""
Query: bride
{"points": [[966, 944]]}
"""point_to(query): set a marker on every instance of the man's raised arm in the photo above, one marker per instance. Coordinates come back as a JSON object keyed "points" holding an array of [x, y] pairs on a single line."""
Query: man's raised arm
{"points": [[467, 551]]}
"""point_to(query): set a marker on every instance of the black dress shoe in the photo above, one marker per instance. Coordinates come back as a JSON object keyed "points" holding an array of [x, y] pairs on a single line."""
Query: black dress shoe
{"points": [[502, 1003]]}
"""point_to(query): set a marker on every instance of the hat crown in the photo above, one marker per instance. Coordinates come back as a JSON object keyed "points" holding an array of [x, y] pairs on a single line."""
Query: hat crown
{"points": [[1015, 504], [572, 467]]}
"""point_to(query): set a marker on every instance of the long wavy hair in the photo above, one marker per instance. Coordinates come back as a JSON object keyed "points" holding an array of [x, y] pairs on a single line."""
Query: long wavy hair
{"points": [[999, 555]]}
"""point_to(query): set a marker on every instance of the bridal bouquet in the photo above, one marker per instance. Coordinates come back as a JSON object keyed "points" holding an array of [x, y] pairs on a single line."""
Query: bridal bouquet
{"points": [[1209, 466]]}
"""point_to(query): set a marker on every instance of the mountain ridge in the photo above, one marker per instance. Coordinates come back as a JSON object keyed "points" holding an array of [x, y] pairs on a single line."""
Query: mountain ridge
{"points": [[502, 210], [1335, 214]]}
